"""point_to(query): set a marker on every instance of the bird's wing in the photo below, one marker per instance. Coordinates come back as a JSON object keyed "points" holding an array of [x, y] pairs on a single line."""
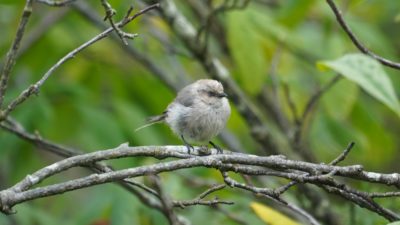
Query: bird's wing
{"points": [[185, 97]]}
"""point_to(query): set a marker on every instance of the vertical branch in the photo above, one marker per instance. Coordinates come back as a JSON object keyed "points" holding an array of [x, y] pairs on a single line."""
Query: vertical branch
{"points": [[12, 52], [168, 206], [216, 70]]}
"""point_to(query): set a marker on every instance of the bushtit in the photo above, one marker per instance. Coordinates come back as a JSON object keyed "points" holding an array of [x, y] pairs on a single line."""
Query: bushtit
{"points": [[198, 113]]}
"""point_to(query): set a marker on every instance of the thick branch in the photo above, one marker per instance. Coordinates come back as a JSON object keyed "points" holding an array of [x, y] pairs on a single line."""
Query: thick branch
{"points": [[319, 174]]}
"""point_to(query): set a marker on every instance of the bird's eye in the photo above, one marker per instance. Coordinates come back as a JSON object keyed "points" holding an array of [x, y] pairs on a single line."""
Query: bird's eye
{"points": [[211, 93]]}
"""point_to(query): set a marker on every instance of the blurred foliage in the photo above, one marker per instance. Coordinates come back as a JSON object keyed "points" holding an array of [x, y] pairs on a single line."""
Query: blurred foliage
{"points": [[96, 100]]}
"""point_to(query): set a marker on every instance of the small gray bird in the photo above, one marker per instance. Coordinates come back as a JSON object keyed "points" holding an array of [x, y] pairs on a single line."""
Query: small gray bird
{"points": [[198, 113]]}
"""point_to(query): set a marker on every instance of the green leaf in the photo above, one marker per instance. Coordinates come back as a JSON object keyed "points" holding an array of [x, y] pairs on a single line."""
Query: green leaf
{"points": [[368, 74], [250, 61], [336, 96]]}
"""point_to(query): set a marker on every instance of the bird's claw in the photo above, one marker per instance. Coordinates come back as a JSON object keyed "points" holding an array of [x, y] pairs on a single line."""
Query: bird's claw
{"points": [[189, 147], [219, 150]]}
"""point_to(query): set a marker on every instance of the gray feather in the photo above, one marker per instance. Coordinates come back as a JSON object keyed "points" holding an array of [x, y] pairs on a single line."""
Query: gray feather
{"points": [[153, 120], [185, 97]]}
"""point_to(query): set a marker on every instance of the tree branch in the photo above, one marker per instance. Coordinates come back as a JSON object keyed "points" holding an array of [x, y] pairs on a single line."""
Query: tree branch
{"points": [[34, 88], [56, 3], [356, 42], [321, 175], [12, 52], [166, 202], [270, 194], [199, 200], [187, 33]]}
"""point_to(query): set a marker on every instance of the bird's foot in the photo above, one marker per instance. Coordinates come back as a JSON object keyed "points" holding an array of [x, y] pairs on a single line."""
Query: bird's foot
{"points": [[219, 150], [188, 146], [204, 150]]}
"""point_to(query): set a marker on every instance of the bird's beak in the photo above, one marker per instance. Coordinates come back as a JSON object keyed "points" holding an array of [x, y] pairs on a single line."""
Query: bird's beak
{"points": [[221, 95]]}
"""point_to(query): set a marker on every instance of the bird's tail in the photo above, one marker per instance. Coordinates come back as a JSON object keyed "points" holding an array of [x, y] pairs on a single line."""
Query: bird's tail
{"points": [[153, 120]]}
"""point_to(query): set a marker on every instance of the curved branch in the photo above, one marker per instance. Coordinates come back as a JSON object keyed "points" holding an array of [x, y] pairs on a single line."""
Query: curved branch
{"points": [[34, 88], [321, 175], [355, 40]]}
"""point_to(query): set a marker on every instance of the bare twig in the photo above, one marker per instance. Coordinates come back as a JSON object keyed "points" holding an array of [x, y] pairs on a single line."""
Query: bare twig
{"points": [[56, 3], [356, 42], [110, 13], [12, 52], [286, 187], [317, 95], [34, 88], [384, 195], [308, 108], [199, 200], [142, 58], [342, 156], [363, 201], [168, 206], [270, 194]]}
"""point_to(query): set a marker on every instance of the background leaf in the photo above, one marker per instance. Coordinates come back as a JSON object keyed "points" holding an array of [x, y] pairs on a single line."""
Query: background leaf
{"points": [[368, 74]]}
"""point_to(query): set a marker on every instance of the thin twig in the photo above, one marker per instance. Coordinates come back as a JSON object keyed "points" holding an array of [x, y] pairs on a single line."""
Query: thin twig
{"points": [[34, 88], [110, 13], [199, 199], [292, 106], [343, 155], [297, 137], [12, 52], [284, 188], [356, 42], [88, 13], [270, 194], [168, 207], [384, 195], [317, 95], [56, 3], [142, 186], [363, 202], [211, 190]]}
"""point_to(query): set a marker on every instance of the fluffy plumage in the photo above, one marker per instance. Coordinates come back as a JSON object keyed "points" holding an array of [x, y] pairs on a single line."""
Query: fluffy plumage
{"points": [[198, 113]]}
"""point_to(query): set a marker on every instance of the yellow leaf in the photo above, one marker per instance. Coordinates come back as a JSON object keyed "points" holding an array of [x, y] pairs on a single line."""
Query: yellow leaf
{"points": [[271, 216]]}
